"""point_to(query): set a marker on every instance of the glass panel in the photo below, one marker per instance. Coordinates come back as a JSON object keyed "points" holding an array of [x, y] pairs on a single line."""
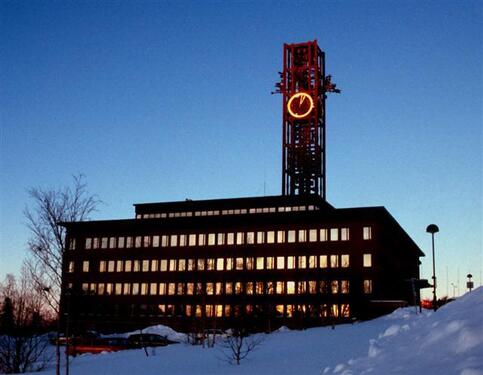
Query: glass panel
{"points": [[367, 260], [250, 237], [290, 262], [270, 263], [334, 234], [163, 265], [344, 260], [323, 235], [280, 263], [260, 237], [291, 236], [220, 264], [367, 233], [230, 240], [259, 263], [322, 261], [211, 239], [271, 237], [181, 264], [127, 266], [155, 241], [344, 234], [302, 235], [290, 287], [192, 240], [239, 263], [312, 235], [302, 262], [280, 236]]}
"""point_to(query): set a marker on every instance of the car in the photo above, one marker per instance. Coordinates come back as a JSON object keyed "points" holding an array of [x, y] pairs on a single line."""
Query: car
{"points": [[140, 340]]}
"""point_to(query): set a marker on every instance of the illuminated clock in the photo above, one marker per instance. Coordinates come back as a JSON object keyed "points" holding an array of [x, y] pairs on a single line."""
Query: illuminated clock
{"points": [[300, 105]]}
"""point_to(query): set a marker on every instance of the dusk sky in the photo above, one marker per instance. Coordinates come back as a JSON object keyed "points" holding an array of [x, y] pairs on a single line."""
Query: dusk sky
{"points": [[162, 101]]}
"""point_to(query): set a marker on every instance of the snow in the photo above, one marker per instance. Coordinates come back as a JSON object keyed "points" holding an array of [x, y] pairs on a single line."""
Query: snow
{"points": [[446, 342]]}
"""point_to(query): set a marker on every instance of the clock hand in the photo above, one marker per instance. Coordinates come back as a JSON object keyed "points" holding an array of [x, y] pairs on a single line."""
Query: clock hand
{"points": [[301, 100]]}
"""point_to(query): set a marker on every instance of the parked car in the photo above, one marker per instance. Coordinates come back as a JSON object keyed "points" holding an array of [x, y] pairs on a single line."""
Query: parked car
{"points": [[97, 345], [140, 340]]}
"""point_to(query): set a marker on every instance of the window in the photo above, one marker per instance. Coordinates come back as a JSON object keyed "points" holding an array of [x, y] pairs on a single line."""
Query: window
{"points": [[191, 264], [344, 234], [323, 235], [144, 289], [147, 241], [221, 239], [228, 288], [104, 242], [280, 263], [271, 237], [102, 266], [301, 287], [127, 266], [280, 236], [95, 243], [72, 244], [239, 263], [250, 237], [171, 289], [270, 287], [367, 260], [210, 264], [88, 243], [230, 238], [201, 264], [249, 288], [290, 262], [209, 289], [121, 242], [249, 263], [172, 265], [138, 241], [135, 289], [174, 240], [154, 265], [291, 236], [322, 261], [344, 260], [367, 233], [312, 235], [211, 239], [290, 287], [155, 241], [279, 289], [70, 269], [111, 266], [312, 287], [112, 242], [181, 264], [367, 286], [220, 264], [334, 234], [260, 237], [302, 235], [239, 238], [334, 286], [259, 263], [192, 240], [344, 286], [145, 265], [259, 287], [334, 261], [182, 240], [302, 261], [238, 287], [218, 287], [201, 239], [136, 266], [229, 264], [153, 289], [190, 287], [163, 265], [119, 264], [345, 311], [270, 263], [128, 242], [312, 261]]}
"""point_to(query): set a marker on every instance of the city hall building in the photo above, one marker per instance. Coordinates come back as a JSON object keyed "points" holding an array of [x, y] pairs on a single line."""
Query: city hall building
{"points": [[260, 262]]}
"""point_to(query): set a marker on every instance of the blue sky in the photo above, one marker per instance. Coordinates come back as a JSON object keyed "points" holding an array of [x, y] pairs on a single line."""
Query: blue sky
{"points": [[160, 101]]}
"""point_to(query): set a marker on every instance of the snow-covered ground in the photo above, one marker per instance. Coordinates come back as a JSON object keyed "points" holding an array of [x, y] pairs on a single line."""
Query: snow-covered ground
{"points": [[447, 342]]}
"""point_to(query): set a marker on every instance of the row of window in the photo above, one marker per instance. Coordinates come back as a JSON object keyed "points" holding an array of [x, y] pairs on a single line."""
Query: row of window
{"points": [[214, 239], [224, 264], [228, 311], [224, 288], [236, 211]]}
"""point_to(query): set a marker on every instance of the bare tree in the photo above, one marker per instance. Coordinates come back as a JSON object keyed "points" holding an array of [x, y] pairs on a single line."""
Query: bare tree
{"points": [[23, 342], [238, 345], [47, 241]]}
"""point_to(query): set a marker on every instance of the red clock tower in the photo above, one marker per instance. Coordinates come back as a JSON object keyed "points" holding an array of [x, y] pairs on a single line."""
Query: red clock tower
{"points": [[303, 86]]}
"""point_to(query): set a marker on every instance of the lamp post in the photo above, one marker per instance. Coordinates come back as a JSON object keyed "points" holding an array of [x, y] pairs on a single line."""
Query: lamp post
{"points": [[433, 228], [469, 283]]}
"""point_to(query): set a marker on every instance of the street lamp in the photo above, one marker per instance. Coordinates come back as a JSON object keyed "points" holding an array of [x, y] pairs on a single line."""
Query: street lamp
{"points": [[469, 283], [433, 228]]}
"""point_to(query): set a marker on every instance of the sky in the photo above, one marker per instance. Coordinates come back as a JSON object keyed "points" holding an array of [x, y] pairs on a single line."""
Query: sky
{"points": [[167, 100]]}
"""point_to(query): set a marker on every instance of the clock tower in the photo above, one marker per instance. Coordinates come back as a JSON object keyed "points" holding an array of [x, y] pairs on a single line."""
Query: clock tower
{"points": [[303, 85]]}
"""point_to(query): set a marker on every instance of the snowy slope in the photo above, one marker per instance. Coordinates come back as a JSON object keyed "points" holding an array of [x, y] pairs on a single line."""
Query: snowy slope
{"points": [[448, 342]]}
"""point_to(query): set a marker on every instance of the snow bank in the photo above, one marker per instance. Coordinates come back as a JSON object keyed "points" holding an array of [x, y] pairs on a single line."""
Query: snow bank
{"points": [[159, 329], [448, 341]]}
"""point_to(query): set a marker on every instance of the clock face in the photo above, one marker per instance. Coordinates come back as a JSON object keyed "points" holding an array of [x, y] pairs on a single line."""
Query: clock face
{"points": [[300, 105]]}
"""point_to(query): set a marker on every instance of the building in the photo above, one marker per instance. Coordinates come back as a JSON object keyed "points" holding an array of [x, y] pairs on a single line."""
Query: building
{"points": [[260, 262]]}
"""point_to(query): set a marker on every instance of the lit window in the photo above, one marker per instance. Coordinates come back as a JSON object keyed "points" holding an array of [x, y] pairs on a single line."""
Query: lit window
{"points": [[228, 288], [312, 287], [280, 263], [163, 265], [280, 236], [301, 287], [135, 288], [209, 311], [119, 264], [367, 286], [219, 311], [279, 310], [70, 269], [95, 243], [154, 265], [270, 287], [189, 310], [172, 264], [239, 263], [138, 241], [155, 241], [104, 242], [190, 287], [230, 238], [127, 266], [229, 264], [250, 238], [221, 239], [271, 237], [102, 266], [290, 287], [344, 260], [344, 286], [210, 264], [88, 243], [367, 233], [109, 288], [192, 240], [270, 263], [322, 261], [111, 266], [334, 234], [334, 286], [218, 287], [259, 287], [312, 261], [136, 266], [334, 311], [345, 311], [85, 287], [152, 289], [259, 263], [302, 235], [227, 310], [239, 238], [182, 240], [290, 262], [323, 235], [201, 239], [238, 287], [126, 289], [367, 260], [312, 235], [249, 288], [279, 287], [344, 234], [302, 262], [191, 264], [211, 239], [128, 242], [250, 263], [171, 288], [201, 265], [220, 264], [146, 241], [112, 242], [334, 261], [209, 288], [145, 265], [174, 240], [144, 289], [291, 236], [121, 241], [260, 237], [181, 264], [323, 287]]}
